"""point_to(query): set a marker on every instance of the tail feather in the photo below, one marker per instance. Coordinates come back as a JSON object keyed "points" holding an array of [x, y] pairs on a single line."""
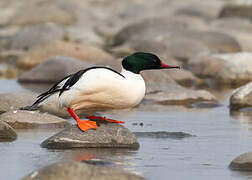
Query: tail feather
{"points": [[30, 108]]}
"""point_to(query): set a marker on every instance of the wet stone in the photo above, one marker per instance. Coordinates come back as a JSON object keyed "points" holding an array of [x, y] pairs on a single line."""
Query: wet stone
{"points": [[19, 119], [242, 162], [223, 68], [242, 97], [7, 133], [162, 135], [77, 171], [108, 135], [12, 101]]}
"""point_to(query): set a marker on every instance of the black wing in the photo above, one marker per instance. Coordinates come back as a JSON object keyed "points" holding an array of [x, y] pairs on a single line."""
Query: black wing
{"points": [[59, 87], [75, 77]]}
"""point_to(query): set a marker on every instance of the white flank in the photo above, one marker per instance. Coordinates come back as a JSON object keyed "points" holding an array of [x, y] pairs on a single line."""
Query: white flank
{"points": [[99, 89]]}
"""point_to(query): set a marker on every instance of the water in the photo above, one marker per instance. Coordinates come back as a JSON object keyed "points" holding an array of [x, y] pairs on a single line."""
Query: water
{"points": [[220, 136]]}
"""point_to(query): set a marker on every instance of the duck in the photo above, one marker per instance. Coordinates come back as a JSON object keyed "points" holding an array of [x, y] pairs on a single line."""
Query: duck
{"points": [[100, 88]]}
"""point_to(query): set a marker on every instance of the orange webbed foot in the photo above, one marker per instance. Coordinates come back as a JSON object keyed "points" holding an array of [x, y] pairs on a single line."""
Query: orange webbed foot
{"points": [[85, 125]]}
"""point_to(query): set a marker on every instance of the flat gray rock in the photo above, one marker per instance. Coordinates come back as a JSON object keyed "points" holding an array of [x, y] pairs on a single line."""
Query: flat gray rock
{"points": [[77, 171], [33, 35], [19, 119], [242, 97], [13, 101], [242, 162], [107, 135], [53, 69], [174, 94], [7, 133]]}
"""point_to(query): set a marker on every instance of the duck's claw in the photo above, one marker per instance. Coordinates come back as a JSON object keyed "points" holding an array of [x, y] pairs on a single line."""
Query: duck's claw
{"points": [[84, 125], [104, 118]]}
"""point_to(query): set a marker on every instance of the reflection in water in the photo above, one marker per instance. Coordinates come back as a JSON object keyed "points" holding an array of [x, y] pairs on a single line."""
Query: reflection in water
{"points": [[245, 174], [243, 117]]}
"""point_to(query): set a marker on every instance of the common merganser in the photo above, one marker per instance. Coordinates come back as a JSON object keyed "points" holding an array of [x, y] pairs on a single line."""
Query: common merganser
{"points": [[101, 88]]}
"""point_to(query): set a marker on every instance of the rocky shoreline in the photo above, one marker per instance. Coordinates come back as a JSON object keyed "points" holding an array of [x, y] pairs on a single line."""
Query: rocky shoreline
{"points": [[42, 42]]}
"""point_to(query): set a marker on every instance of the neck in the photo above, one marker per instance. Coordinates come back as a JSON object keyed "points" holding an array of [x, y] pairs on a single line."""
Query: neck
{"points": [[128, 73]]}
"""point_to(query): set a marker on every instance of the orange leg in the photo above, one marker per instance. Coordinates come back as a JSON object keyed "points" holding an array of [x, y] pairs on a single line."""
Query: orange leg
{"points": [[104, 118], [83, 125]]}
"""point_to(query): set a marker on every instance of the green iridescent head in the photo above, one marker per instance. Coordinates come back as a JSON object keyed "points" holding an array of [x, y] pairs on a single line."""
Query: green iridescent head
{"points": [[140, 61]]}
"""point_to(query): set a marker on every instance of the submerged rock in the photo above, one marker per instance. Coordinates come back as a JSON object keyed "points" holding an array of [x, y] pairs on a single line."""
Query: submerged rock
{"points": [[19, 119], [7, 133], [39, 54], [242, 162], [242, 97], [53, 70], [107, 135], [162, 134], [12, 101], [77, 171]]}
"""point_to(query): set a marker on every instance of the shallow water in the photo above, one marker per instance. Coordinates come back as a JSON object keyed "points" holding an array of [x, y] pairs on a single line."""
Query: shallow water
{"points": [[220, 136]]}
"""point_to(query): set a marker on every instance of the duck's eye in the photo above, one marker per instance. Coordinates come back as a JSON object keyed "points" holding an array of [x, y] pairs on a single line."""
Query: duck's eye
{"points": [[156, 61]]}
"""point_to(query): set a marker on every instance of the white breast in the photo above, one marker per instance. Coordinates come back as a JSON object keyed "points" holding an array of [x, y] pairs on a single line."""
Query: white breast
{"points": [[100, 89]]}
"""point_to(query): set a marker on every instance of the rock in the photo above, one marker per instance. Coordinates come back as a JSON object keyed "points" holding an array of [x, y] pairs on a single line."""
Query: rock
{"points": [[239, 28], [162, 135], [53, 70], [36, 13], [242, 162], [184, 77], [174, 94], [77, 171], [236, 10], [10, 56], [153, 77], [232, 24], [59, 48], [232, 69], [34, 35], [19, 119], [167, 48], [7, 133], [13, 101], [107, 135], [193, 43], [203, 9], [150, 28], [215, 41], [242, 97]]}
